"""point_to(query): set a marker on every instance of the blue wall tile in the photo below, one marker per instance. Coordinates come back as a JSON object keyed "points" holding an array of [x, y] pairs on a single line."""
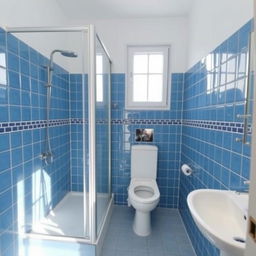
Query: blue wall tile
{"points": [[5, 160], [5, 140], [166, 137], [22, 102], [12, 43], [200, 129], [218, 160]]}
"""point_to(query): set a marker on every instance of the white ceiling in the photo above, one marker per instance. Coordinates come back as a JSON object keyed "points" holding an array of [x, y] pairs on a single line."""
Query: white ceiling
{"points": [[116, 9]]}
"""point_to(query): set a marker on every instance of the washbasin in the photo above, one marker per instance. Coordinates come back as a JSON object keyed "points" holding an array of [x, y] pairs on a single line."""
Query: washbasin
{"points": [[221, 215]]}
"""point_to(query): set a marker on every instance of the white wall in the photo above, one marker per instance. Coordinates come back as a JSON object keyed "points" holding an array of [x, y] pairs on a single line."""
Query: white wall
{"points": [[115, 33], [46, 42], [36, 13], [213, 21], [30, 13], [118, 33], [210, 23]]}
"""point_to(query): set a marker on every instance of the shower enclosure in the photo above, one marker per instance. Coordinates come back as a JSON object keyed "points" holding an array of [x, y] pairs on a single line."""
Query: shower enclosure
{"points": [[70, 191]]}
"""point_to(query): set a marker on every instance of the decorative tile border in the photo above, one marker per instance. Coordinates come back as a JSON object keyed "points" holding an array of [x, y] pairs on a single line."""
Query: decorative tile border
{"points": [[234, 127], [8, 127], [132, 121], [81, 121], [146, 121], [77, 121], [29, 125]]}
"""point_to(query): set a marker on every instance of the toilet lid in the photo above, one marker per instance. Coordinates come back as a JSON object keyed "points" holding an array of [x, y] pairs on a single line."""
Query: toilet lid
{"points": [[143, 190]]}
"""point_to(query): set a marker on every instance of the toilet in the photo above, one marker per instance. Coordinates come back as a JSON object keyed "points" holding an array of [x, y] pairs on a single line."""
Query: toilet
{"points": [[143, 192]]}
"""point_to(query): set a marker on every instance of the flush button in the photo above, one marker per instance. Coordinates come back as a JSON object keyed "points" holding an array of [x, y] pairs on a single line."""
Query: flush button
{"points": [[145, 135], [252, 228]]}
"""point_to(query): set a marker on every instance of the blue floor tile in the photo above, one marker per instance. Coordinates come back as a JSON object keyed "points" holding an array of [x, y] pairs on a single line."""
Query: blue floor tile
{"points": [[168, 237]]}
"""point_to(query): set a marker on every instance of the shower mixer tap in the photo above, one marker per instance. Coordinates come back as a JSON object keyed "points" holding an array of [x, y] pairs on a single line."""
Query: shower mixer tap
{"points": [[47, 157]]}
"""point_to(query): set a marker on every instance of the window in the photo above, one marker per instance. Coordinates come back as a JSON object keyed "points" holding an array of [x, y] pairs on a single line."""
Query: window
{"points": [[99, 78], [147, 78]]}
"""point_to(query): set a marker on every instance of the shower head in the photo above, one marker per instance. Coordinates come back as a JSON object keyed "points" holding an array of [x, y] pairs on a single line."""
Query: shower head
{"points": [[69, 54]]}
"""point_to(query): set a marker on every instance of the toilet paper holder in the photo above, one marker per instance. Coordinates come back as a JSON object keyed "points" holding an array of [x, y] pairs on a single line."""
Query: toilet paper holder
{"points": [[186, 169]]}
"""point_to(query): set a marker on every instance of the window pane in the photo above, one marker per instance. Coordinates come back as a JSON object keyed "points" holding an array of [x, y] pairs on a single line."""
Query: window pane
{"points": [[99, 88], [3, 79], [99, 64], [155, 88], [139, 88], [156, 62], [2, 60], [140, 63]]}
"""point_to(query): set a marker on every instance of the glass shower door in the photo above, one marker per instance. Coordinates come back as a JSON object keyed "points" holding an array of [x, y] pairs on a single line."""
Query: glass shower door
{"points": [[103, 165], [52, 198]]}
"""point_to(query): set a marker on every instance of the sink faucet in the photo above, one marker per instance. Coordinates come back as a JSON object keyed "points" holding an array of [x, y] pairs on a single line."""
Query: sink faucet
{"points": [[243, 189]]}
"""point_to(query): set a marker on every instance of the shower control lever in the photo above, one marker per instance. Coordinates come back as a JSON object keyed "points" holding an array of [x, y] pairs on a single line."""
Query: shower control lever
{"points": [[241, 140], [43, 156], [47, 157], [247, 182]]}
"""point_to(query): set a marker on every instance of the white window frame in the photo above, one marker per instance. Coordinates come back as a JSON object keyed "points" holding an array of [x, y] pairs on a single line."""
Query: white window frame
{"points": [[165, 103]]}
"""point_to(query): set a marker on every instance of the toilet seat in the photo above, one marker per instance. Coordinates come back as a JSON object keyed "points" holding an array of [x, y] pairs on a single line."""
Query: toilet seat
{"points": [[144, 191]]}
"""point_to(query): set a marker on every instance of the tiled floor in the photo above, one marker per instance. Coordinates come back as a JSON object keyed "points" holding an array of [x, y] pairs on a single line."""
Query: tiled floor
{"points": [[168, 237]]}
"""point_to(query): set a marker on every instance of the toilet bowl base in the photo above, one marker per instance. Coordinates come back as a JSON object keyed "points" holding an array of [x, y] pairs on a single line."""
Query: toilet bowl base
{"points": [[142, 223]]}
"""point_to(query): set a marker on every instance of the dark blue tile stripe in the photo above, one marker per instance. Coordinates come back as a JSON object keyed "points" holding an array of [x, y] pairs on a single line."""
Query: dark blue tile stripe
{"points": [[76, 121], [234, 127], [30, 125], [146, 121]]}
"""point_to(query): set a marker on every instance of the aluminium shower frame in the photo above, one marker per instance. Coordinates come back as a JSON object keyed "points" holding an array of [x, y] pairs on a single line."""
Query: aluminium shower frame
{"points": [[91, 49]]}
